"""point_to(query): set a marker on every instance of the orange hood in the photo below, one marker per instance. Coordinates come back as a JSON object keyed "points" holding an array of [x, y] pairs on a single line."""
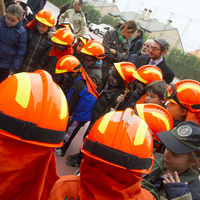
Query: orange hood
{"points": [[102, 181], [27, 171]]}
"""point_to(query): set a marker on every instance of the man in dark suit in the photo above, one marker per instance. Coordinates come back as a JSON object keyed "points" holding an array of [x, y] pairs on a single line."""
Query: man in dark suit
{"points": [[158, 49]]}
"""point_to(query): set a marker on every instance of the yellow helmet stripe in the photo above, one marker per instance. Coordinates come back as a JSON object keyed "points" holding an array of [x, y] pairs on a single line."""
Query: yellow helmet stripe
{"points": [[23, 89], [85, 51], [130, 70], [161, 117], [140, 135], [188, 86], [44, 21], [59, 71], [140, 110], [104, 122], [117, 65], [155, 71], [57, 41], [63, 113], [138, 77]]}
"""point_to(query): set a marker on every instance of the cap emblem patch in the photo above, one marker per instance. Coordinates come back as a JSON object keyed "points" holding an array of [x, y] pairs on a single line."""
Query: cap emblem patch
{"points": [[184, 130]]}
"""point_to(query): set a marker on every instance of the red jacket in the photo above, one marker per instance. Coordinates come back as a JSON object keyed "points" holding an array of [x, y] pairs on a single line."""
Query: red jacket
{"points": [[100, 181]]}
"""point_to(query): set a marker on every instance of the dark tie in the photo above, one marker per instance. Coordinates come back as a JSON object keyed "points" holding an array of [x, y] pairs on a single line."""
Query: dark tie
{"points": [[152, 62]]}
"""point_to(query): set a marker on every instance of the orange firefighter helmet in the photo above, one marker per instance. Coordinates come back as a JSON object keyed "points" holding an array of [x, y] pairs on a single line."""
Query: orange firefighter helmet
{"points": [[33, 109], [121, 139], [95, 49], [148, 73], [68, 63], [63, 36], [126, 70], [185, 93], [157, 117], [46, 17]]}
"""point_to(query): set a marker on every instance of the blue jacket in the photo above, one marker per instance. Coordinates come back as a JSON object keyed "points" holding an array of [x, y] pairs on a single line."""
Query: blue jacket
{"points": [[12, 45], [80, 101]]}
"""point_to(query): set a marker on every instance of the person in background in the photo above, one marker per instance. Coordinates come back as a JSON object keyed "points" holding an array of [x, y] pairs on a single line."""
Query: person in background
{"points": [[76, 17], [156, 57], [136, 43], [116, 43], [2, 8], [39, 43], [36, 5], [144, 51], [63, 9], [13, 40], [34, 117], [175, 176], [111, 169]]}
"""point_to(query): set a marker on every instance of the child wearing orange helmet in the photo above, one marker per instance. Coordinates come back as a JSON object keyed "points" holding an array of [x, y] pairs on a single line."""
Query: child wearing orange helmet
{"points": [[93, 52], [143, 77], [184, 101], [116, 153], [39, 43], [33, 119], [81, 96], [62, 40]]}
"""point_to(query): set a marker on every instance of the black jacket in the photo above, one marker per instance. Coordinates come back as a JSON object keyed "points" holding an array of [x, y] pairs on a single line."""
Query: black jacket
{"points": [[106, 101], [37, 54], [168, 74], [136, 45]]}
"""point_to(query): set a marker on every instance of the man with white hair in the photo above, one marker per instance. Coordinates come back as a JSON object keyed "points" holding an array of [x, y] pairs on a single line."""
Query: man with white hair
{"points": [[144, 51]]}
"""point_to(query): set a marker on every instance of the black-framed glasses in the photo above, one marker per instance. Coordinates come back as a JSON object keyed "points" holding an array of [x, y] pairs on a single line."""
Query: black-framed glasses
{"points": [[155, 48]]}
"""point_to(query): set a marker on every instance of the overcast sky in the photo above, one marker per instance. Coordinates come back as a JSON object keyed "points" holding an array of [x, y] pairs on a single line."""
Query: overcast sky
{"points": [[185, 15]]}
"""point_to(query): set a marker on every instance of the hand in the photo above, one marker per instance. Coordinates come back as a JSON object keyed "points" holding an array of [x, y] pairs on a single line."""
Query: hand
{"points": [[171, 179], [11, 73], [120, 98], [113, 51]]}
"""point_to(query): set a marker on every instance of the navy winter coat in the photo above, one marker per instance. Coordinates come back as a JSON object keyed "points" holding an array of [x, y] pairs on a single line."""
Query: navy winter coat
{"points": [[13, 42], [80, 101]]}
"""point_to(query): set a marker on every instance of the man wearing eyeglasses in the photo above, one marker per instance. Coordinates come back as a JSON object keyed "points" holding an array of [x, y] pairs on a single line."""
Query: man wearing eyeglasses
{"points": [[76, 17], [158, 49]]}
